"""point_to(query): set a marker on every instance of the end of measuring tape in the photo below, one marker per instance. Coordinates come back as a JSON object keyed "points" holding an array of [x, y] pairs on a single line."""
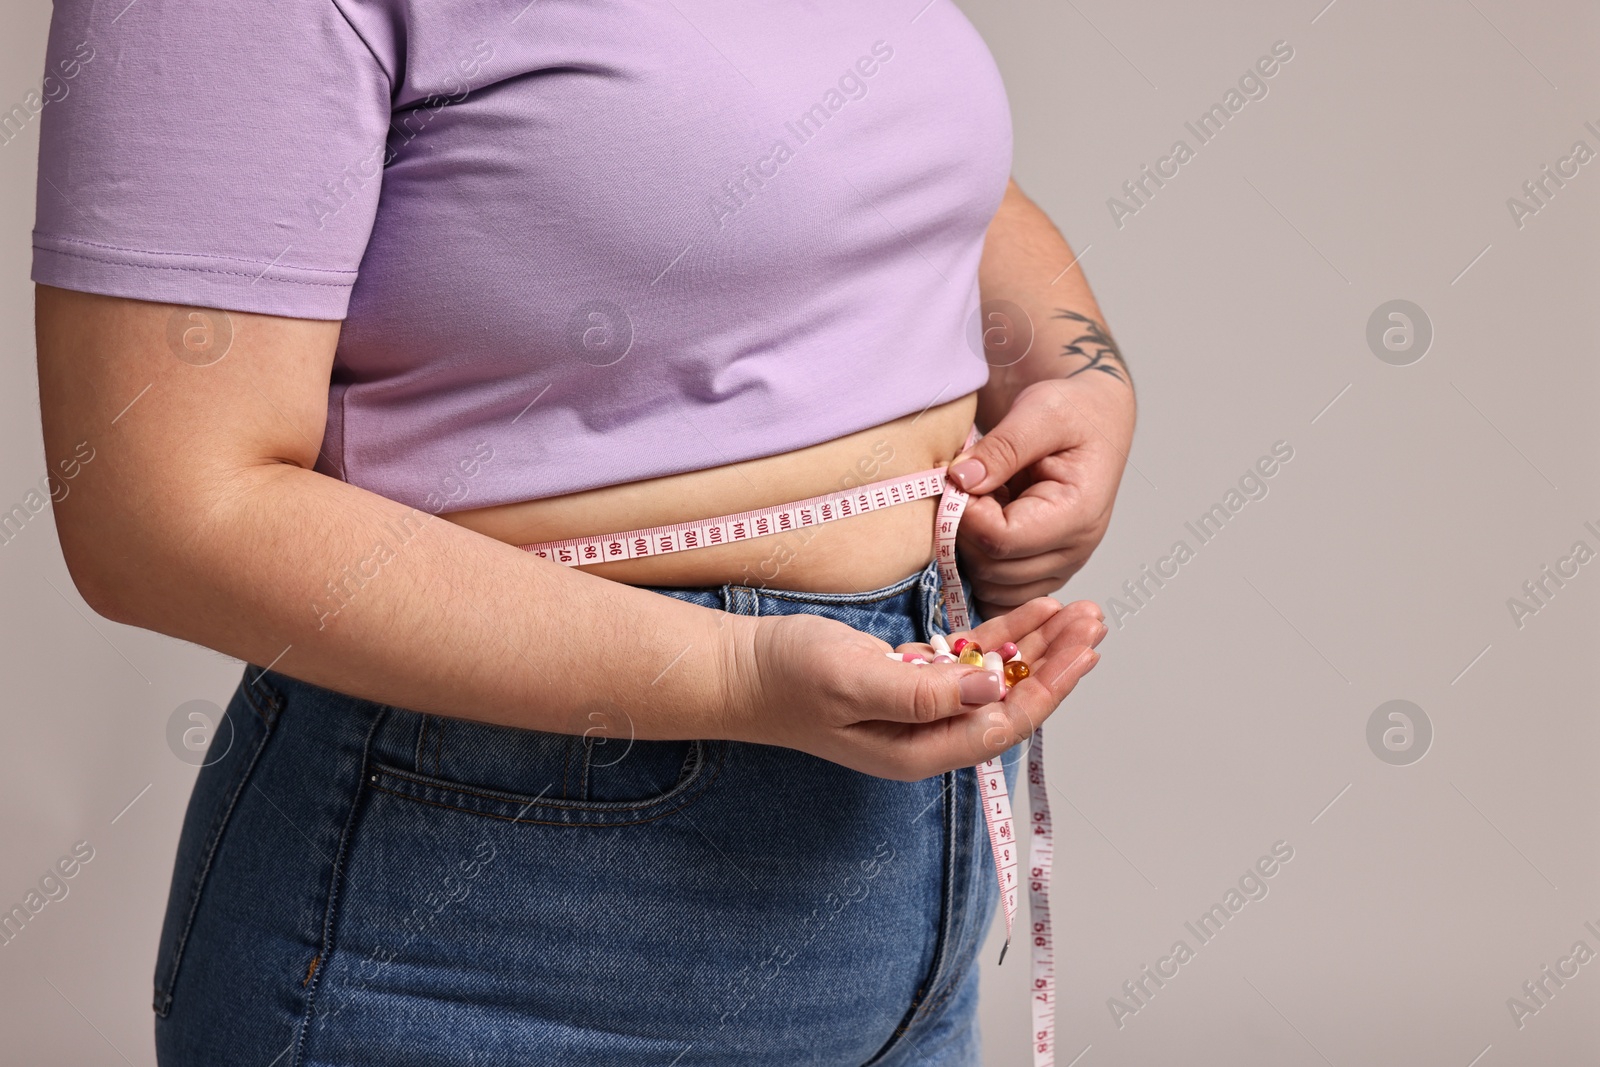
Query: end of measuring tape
{"points": [[1003, 948]]}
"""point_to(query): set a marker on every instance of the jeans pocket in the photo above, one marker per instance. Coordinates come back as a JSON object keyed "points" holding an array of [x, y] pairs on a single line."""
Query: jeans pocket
{"points": [[237, 740], [535, 776]]}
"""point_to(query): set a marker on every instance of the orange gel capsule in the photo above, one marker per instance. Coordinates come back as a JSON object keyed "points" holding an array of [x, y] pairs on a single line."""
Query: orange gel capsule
{"points": [[1016, 671]]}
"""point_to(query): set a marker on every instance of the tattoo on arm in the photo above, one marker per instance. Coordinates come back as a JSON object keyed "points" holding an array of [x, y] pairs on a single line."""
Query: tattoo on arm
{"points": [[1095, 345]]}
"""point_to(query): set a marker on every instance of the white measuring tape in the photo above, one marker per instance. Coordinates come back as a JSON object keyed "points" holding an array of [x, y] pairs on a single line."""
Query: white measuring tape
{"points": [[997, 806], [997, 814]]}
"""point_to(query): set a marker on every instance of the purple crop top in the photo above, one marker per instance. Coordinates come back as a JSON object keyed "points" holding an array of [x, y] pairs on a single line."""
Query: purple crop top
{"points": [[574, 242]]}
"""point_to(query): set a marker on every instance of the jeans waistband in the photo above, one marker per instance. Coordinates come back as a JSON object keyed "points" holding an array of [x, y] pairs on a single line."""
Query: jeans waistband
{"points": [[915, 596]]}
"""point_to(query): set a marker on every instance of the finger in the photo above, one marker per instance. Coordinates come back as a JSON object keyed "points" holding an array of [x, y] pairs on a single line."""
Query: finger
{"points": [[1084, 607], [1036, 697], [991, 611], [993, 636], [1028, 616], [1079, 624], [1025, 435], [1047, 516], [1009, 596], [983, 733], [1061, 670], [1036, 624], [992, 633], [883, 689], [1062, 632], [1039, 624], [1066, 630], [978, 567]]}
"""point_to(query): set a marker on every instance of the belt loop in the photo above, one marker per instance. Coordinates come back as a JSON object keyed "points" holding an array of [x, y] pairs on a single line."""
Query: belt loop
{"points": [[933, 620], [740, 600]]}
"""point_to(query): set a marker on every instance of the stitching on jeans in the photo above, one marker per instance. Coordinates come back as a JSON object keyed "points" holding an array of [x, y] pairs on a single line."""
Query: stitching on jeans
{"points": [[932, 604], [335, 877], [887, 592], [740, 600], [526, 822], [956, 1032], [258, 690], [687, 800], [421, 747], [595, 807], [214, 835], [250, 701], [811, 599], [943, 947], [962, 971]]}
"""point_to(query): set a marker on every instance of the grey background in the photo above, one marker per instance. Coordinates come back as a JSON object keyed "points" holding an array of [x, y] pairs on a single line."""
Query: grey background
{"points": [[1231, 711]]}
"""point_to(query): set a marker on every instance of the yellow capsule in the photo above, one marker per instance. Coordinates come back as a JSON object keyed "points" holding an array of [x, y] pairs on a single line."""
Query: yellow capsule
{"points": [[1016, 671], [972, 655]]}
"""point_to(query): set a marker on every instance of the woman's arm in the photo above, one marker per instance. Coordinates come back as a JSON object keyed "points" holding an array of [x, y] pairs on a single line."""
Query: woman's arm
{"points": [[1058, 411], [200, 517], [1027, 263]]}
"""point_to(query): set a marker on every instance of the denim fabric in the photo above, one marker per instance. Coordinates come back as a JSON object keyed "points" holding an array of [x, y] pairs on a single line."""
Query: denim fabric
{"points": [[362, 884]]}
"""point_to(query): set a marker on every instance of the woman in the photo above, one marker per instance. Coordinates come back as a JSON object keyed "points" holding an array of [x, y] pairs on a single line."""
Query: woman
{"points": [[621, 264]]}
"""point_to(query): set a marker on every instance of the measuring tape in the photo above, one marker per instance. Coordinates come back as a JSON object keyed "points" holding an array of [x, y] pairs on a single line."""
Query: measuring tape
{"points": [[744, 525], [997, 814]]}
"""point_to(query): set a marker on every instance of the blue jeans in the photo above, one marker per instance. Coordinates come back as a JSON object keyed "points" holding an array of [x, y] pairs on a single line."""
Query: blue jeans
{"points": [[362, 884]]}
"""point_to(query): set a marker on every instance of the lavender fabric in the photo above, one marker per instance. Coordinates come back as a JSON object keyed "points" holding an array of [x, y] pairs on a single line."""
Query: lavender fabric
{"points": [[573, 242]]}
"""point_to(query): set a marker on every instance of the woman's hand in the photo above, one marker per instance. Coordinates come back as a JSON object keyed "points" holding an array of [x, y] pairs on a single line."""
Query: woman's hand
{"points": [[1042, 482], [817, 685]]}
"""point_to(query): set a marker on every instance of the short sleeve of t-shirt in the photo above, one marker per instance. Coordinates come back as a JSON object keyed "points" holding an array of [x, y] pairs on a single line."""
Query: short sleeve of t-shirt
{"points": [[217, 153]]}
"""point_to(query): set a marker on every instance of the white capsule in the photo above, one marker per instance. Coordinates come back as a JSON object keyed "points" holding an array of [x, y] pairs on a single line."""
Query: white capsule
{"points": [[993, 662], [939, 643]]}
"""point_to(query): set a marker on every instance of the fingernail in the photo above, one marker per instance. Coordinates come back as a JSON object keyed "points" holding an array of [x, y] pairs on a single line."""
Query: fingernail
{"points": [[1100, 634], [981, 687], [967, 473]]}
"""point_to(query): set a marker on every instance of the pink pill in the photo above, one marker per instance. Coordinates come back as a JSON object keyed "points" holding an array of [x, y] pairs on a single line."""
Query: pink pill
{"points": [[945, 657], [1008, 651]]}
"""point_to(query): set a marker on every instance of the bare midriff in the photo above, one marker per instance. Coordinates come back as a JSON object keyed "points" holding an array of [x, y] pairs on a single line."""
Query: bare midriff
{"points": [[850, 555]]}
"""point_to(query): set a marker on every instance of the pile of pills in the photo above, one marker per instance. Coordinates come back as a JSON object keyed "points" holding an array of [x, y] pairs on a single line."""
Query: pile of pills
{"points": [[1005, 661]]}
